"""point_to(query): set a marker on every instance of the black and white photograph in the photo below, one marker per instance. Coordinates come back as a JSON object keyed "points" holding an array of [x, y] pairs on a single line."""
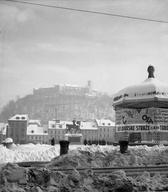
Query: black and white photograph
{"points": [[83, 95]]}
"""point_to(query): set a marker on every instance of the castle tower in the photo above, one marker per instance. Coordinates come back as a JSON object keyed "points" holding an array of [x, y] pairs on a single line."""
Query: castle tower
{"points": [[89, 85]]}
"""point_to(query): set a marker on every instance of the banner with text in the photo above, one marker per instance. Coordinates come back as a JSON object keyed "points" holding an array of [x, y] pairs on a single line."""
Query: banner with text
{"points": [[142, 128], [142, 116]]}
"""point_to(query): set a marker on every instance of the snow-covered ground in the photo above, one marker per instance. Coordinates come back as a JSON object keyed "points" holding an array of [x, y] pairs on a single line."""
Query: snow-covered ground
{"points": [[137, 155], [37, 152], [36, 179], [31, 152], [28, 152]]}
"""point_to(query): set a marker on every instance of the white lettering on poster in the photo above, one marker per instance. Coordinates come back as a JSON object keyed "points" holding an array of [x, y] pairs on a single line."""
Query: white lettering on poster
{"points": [[141, 128]]}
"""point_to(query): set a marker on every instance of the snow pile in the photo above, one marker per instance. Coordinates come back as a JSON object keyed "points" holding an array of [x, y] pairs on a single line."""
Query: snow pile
{"points": [[108, 156], [47, 179], [145, 182], [29, 152], [86, 156], [18, 179]]}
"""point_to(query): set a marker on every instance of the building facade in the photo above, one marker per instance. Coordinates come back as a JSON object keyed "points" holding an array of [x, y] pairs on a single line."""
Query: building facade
{"points": [[36, 133], [24, 130], [17, 128], [106, 130], [57, 130], [92, 132]]}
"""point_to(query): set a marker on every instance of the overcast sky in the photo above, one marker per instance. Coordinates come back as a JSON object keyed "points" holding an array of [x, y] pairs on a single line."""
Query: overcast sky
{"points": [[41, 47]]}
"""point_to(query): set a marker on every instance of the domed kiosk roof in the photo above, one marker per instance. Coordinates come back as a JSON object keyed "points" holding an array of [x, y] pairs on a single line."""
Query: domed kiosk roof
{"points": [[149, 93]]}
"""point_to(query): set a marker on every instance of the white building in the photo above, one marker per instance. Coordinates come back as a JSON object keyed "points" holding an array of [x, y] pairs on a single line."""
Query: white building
{"points": [[57, 129], [23, 130], [36, 133], [89, 130], [106, 130], [93, 131]]}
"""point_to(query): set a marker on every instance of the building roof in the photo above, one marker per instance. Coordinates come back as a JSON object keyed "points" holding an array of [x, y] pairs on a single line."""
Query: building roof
{"points": [[19, 117], [89, 125], [33, 122], [35, 128], [57, 124], [151, 90], [105, 122], [84, 125]]}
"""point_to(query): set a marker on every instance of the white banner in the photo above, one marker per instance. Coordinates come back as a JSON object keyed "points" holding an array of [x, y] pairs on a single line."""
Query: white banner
{"points": [[142, 128]]}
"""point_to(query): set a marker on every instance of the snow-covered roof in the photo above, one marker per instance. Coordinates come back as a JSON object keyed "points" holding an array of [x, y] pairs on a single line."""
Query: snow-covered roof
{"points": [[57, 124], [105, 122], [3, 129], [150, 89], [33, 122], [70, 85], [90, 125], [36, 129], [19, 117]]}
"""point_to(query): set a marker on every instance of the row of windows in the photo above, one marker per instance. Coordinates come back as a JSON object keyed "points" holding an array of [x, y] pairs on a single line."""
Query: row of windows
{"points": [[105, 129], [54, 126], [23, 118], [107, 124], [32, 131], [35, 137], [60, 126], [57, 132], [59, 137]]}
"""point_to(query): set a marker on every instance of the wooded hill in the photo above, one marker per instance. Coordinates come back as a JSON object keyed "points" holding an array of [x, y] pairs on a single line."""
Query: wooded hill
{"points": [[52, 103]]}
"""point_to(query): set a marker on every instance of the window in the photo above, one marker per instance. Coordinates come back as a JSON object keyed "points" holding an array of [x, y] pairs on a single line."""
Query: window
{"points": [[17, 117], [32, 131], [23, 118], [53, 126], [103, 123], [109, 124]]}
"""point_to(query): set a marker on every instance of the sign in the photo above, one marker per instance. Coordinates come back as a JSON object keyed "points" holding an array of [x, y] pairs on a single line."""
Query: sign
{"points": [[142, 128], [142, 116]]}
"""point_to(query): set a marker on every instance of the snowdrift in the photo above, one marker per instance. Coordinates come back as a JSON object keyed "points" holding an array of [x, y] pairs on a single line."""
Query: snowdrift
{"points": [[15, 178], [86, 156]]}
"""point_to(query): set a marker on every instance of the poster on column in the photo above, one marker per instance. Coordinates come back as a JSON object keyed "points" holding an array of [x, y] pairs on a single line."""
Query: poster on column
{"points": [[142, 128], [139, 128], [161, 115], [141, 116]]}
